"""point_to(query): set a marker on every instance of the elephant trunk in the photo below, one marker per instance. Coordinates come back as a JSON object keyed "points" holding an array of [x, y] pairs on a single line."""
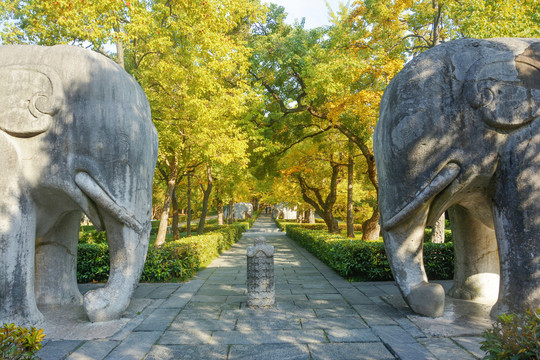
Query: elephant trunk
{"points": [[128, 250], [404, 246]]}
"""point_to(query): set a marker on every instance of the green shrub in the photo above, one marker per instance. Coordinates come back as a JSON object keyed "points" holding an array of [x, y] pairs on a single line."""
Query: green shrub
{"points": [[174, 261], [366, 260], [92, 263], [447, 235], [92, 236], [256, 214], [207, 228], [439, 261], [19, 343], [513, 336], [282, 224], [208, 246], [87, 228], [154, 230]]}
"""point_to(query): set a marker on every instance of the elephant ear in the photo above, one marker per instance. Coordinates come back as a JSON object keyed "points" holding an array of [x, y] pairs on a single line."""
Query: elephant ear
{"points": [[506, 88], [30, 96]]}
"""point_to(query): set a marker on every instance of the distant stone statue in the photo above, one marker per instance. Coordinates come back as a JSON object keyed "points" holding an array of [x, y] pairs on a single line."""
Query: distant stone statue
{"points": [[260, 275], [241, 211], [76, 136], [459, 129], [284, 211]]}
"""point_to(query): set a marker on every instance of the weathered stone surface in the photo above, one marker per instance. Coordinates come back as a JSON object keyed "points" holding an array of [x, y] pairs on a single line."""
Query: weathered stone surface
{"points": [[76, 136], [270, 352], [283, 211], [261, 291], [241, 211], [459, 129]]}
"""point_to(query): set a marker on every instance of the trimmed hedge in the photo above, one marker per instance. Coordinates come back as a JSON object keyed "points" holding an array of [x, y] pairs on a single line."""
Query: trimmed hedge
{"points": [[366, 260], [447, 235], [318, 226], [92, 263], [282, 225], [89, 235], [174, 261]]}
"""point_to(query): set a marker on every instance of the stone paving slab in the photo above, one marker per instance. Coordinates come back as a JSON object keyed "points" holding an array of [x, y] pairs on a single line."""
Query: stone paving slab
{"points": [[350, 351], [93, 349], [342, 335], [188, 352], [186, 337], [270, 352], [318, 315], [58, 349]]}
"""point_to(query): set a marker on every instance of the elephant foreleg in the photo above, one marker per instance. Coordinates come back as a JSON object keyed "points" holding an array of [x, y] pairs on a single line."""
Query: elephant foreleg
{"points": [[17, 230], [56, 263], [476, 262], [517, 223]]}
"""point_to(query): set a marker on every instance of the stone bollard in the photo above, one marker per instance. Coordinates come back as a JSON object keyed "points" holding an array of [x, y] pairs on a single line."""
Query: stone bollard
{"points": [[260, 275]]}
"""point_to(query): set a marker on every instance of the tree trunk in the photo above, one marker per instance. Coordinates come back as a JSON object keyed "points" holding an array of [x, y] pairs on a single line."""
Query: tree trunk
{"points": [[206, 197], [436, 30], [175, 230], [229, 213], [350, 203], [331, 222], [437, 233], [300, 216], [371, 228], [324, 208], [119, 50], [219, 211], [311, 216], [188, 223], [163, 223]]}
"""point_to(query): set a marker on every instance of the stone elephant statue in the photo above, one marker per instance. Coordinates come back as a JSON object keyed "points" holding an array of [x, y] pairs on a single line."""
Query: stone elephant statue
{"points": [[459, 129], [76, 136]]}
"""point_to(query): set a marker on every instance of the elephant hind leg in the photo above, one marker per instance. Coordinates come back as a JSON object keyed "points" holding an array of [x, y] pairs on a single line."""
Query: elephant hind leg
{"points": [[56, 263], [476, 270]]}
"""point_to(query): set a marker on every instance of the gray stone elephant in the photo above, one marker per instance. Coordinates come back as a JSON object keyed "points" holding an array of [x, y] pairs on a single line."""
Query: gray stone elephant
{"points": [[459, 129], [76, 136]]}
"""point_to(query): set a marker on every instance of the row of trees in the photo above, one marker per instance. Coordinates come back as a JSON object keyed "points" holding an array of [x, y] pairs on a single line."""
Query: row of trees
{"points": [[323, 87], [248, 106]]}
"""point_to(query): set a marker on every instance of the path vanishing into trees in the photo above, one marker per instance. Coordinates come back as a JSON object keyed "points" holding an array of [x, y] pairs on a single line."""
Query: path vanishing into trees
{"points": [[318, 315]]}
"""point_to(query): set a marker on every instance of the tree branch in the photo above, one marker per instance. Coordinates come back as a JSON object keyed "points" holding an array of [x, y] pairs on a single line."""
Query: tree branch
{"points": [[302, 139]]}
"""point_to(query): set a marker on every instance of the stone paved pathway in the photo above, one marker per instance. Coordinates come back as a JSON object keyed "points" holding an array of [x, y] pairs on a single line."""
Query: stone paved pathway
{"points": [[318, 315]]}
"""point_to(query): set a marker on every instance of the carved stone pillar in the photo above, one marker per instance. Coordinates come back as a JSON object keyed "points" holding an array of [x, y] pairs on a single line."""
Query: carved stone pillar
{"points": [[260, 275]]}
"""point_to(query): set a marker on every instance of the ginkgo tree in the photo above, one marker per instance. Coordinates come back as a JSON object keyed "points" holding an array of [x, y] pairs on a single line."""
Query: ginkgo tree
{"points": [[195, 81], [189, 57], [207, 66], [322, 79], [87, 23], [418, 25]]}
